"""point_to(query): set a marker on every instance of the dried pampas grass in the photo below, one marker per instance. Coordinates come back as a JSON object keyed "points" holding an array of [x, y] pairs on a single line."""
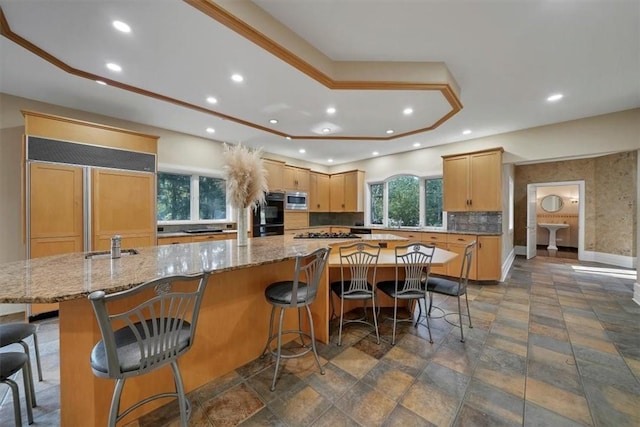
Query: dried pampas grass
{"points": [[246, 176]]}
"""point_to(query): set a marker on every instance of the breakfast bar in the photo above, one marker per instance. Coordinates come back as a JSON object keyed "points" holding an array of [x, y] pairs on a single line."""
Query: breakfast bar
{"points": [[233, 321]]}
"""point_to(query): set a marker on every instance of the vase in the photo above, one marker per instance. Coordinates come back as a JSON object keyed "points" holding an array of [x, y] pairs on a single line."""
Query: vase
{"points": [[243, 227]]}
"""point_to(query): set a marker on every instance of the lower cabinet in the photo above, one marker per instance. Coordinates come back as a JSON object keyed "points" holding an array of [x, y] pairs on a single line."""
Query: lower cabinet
{"points": [[489, 260], [174, 240]]}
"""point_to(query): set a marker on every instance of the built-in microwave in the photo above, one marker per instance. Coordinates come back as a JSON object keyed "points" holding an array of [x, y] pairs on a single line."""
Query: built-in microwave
{"points": [[296, 200]]}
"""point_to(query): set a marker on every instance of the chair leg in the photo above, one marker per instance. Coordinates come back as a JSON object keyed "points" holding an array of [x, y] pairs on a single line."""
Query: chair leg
{"points": [[27, 378], [427, 319], [279, 352], [266, 346], [17, 414], [115, 402], [35, 345], [468, 312], [430, 303], [341, 319], [460, 320], [419, 312], [300, 328], [375, 318], [395, 317], [33, 391], [313, 340], [182, 399]]}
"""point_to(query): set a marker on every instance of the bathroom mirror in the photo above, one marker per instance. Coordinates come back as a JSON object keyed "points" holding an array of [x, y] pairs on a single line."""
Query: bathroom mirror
{"points": [[551, 203]]}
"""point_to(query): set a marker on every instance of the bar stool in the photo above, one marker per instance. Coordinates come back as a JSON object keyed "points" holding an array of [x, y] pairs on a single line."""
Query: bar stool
{"points": [[17, 333], [297, 293], [454, 288], [355, 262], [414, 260], [10, 363], [158, 331]]}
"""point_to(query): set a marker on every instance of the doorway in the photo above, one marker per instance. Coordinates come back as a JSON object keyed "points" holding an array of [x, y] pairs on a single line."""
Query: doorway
{"points": [[560, 206]]}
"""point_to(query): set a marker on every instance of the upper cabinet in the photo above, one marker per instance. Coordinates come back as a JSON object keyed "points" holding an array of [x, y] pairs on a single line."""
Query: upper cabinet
{"points": [[347, 192], [319, 198], [473, 181], [296, 178], [275, 174]]}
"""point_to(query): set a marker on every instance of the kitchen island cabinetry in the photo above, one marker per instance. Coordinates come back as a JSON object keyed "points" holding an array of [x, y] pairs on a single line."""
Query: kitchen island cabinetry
{"points": [[473, 181], [347, 192], [319, 192]]}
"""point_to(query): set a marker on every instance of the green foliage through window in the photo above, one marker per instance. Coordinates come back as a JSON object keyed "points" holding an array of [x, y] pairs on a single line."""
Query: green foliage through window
{"points": [[402, 197], [175, 193]]}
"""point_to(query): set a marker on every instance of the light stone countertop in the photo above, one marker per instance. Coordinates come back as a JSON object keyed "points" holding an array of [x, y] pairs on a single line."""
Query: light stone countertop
{"points": [[70, 276]]}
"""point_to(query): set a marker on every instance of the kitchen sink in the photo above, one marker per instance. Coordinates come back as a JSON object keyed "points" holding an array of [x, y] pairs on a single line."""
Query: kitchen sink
{"points": [[107, 254]]}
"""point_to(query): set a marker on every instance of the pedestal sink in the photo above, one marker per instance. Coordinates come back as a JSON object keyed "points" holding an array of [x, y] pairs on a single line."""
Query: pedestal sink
{"points": [[553, 228]]}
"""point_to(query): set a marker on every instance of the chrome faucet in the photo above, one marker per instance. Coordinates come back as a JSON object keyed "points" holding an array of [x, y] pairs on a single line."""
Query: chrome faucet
{"points": [[115, 246]]}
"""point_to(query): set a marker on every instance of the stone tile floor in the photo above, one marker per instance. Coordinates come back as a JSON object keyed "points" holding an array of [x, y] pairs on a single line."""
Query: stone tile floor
{"points": [[556, 344]]}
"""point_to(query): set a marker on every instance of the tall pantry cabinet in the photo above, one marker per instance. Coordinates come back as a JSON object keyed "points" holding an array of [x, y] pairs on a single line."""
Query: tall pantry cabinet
{"points": [[84, 183]]}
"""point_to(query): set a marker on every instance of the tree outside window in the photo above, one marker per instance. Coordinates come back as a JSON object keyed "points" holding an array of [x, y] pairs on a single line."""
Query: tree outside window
{"points": [[174, 197], [213, 198], [402, 198]]}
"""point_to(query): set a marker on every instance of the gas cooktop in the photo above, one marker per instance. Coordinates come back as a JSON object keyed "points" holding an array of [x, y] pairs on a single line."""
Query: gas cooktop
{"points": [[327, 236]]}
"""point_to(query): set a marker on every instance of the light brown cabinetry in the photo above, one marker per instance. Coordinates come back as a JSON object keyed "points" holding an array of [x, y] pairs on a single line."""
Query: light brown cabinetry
{"points": [[473, 181], [488, 255], [319, 192], [456, 243], [440, 241], [296, 220], [275, 174], [174, 240], [347, 192], [296, 179]]}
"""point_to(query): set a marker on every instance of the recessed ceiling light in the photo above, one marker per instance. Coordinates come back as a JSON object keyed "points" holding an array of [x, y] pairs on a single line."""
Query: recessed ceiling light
{"points": [[288, 137], [211, 130], [326, 130], [407, 111], [331, 110], [555, 97], [389, 131], [212, 100], [329, 160], [114, 67], [121, 26], [302, 151], [375, 153], [273, 121], [416, 144], [100, 82], [466, 131], [237, 78]]}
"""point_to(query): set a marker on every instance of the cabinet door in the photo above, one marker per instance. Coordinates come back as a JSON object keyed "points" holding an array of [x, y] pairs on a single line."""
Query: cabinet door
{"points": [[123, 203], [275, 174], [318, 192], [174, 240], [290, 178], [485, 182], [302, 179], [351, 192], [455, 179], [337, 193], [489, 258], [55, 206]]}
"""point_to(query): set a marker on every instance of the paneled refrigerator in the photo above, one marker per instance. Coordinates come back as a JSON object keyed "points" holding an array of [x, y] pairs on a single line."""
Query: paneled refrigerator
{"points": [[78, 196]]}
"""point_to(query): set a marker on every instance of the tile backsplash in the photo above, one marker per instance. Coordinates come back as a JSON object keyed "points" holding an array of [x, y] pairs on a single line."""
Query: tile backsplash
{"points": [[485, 222]]}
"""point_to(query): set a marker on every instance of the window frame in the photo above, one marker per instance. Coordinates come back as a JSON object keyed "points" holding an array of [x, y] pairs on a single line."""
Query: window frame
{"points": [[194, 193], [385, 203]]}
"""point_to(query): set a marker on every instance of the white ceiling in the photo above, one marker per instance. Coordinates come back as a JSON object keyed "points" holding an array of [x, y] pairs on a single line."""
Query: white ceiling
{"points": [[506, 57]]}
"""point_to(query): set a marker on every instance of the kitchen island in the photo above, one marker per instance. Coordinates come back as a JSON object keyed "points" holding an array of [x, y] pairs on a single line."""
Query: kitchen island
{"points": [[233, 321]]}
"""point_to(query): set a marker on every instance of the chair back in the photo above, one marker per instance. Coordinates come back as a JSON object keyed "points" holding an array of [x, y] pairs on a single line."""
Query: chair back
{"points": [[309, 270], [463, 280], [415, 259], [359, 258], [155, 331]]}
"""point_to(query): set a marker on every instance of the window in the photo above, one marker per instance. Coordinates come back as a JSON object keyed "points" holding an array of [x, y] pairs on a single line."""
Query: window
{"points": [[191, 197], [406, 201]]}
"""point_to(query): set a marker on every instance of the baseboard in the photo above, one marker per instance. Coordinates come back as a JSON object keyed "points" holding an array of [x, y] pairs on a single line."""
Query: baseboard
{"points": [[506, 266], [611, 259], [636, 293], [601, 257]]}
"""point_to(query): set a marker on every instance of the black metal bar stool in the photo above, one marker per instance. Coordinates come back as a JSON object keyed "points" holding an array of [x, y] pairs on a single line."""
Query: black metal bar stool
{"points": [[10, 363], [17, 333], [297, 293]]}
